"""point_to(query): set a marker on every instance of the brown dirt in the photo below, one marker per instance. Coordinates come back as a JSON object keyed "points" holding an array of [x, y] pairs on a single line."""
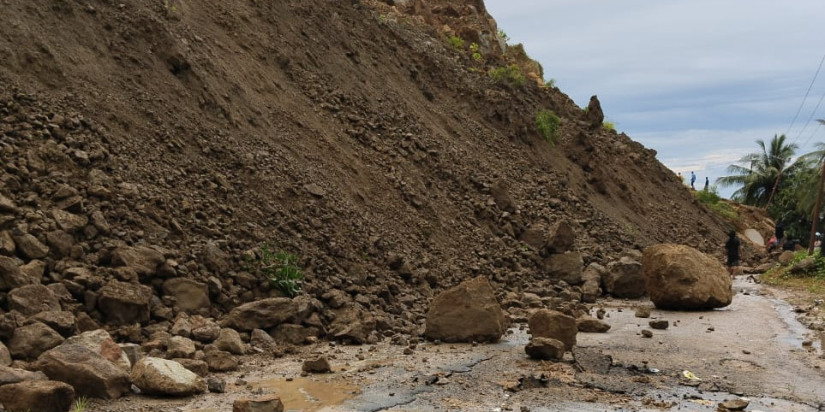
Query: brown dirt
{"points": [[349, 133]]}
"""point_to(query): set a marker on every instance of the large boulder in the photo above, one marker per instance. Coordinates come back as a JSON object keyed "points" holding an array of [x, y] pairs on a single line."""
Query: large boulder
{"points": [[11, 276], [591, 282], [261, 314], [165, 377], [566, 266], [624, 279], [143, 259], [33, 299], [546, 323], [124, 303], [9, 375], [39, 395], [190, 295], [86, 370], [29, 341], [561, 238], [101, 342], [680, 277], [465, 313]]}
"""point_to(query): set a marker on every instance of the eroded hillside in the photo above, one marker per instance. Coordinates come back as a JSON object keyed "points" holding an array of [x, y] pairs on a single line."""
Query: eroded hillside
{"points": [[184, 134]]}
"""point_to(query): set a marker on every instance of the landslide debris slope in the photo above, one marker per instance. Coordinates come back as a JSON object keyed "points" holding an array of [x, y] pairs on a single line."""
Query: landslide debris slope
{"points": [[351, 133]]}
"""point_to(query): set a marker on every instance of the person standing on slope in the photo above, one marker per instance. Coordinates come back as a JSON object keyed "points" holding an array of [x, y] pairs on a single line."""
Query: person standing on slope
{"points": [[707, 183], [732, 247], [692, 180]]}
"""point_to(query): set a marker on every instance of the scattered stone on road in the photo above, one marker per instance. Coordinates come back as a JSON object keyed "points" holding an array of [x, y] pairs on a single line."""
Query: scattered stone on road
{"points": [[545, 349], [643, 312], [319, 365], [660, 324], [646, 333]]}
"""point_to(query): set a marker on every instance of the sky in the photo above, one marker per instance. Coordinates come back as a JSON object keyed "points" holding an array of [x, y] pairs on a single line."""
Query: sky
{"points": [[699, 81]]}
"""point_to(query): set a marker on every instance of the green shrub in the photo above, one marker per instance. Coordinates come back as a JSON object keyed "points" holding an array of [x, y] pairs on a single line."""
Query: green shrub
{"points": [[476, 55], [456, 42], [609, 126], [503, 36], [510, 75], [711, 199], [548, 124], [80, 404], [280, 268]]}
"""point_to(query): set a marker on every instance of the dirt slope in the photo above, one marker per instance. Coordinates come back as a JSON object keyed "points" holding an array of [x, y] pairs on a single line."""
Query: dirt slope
{"points": [[350, 133]]}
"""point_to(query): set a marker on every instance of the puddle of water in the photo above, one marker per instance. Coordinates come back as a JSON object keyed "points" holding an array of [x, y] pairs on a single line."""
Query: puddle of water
{"points": [[796, 331], [306, 395]]}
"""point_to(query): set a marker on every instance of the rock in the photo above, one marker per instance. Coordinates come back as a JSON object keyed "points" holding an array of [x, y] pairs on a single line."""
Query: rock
{"points": [[180, 347], [261, 314], [39, 395], [34, 271], [165, 377], [466, 313], [642, 312], [7, 247], [69, 222], [297, 334], [646, 333], [566, 266], [591, 282], [5, 355], [100, 342], [144, 260], [215, 259], [561, 238], [62, 322], [189, 295], [660, 324], [215, 385], [132, 351], [221, 361], [262, 340], [679, 277], [545, 349], [807, 265], [29, 247], [182, 325], [786, 257], [594, 115], [587, 324], [263, 403], [124, 303], [199, 367], [317, 365], [33, 299], [352, 324], [734, 405], [13, 375], [545, 323], [32, 340], [11, 276], [86, 370], [229, 340], [204, 330], [7, 205], [624, 279]]}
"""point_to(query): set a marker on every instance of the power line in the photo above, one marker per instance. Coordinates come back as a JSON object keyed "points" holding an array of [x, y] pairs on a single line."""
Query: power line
{"points": [[811, 118], [810, 86]]}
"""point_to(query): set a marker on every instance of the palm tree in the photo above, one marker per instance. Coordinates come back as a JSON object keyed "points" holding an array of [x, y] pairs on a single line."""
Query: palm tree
{"points": [[760, 171]]}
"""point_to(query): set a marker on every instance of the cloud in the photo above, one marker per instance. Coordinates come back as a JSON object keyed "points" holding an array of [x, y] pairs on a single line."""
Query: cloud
{"points": [[697, 81]]}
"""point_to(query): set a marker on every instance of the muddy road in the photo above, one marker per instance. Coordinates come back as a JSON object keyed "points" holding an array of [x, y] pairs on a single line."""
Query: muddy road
{"points": [[753, 350]]}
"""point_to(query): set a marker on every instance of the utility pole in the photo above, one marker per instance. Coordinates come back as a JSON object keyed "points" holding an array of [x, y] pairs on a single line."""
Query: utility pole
{"points": [[815, 217]]}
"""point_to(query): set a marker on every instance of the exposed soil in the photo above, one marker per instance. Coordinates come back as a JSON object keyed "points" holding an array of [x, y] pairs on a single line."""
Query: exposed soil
{"points": [[349, 133]]}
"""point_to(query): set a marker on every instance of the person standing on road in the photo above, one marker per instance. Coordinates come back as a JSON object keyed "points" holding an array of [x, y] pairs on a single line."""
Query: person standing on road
{"points": [[732, 246], [692, 180], [780, 235]]}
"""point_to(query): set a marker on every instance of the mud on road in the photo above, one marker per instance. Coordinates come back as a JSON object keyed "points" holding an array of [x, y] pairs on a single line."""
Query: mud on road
{"points": [[753, 349]]}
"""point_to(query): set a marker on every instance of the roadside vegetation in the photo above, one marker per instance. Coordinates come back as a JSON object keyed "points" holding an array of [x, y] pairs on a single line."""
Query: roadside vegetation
{"points": [[804, 273], [279, 268], [714, 202]]}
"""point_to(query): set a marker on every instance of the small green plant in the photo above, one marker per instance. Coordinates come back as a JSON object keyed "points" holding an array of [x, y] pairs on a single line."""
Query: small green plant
{"points": [[280, 268], [609, 125], [548, 124], [550, 83], [510, 75], [456, 42], [80, 404], [503, 36], [476, 55]]}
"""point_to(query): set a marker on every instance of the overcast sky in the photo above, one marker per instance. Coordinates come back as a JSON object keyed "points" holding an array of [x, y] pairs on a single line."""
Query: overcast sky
{"points": [[697, 80]]}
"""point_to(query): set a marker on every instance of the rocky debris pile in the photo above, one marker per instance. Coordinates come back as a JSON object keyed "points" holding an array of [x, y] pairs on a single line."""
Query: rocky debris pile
{"points": [[679, 277]]}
